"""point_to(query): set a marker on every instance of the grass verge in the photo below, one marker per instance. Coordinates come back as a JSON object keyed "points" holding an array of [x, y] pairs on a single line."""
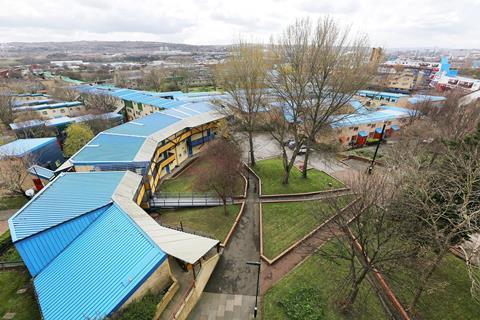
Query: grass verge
{"points": [[210, 221], [447, 296], [271, 173], [287, 222], [12, 202], [24, 304], [311, 292]]}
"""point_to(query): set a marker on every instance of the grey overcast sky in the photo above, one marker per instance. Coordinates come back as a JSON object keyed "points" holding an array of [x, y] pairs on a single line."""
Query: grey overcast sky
{"points": [[399, 23]]}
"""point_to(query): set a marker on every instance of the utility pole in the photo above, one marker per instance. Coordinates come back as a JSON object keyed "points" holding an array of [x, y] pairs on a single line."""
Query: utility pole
{"points": [[370, 168], [258, 264]]}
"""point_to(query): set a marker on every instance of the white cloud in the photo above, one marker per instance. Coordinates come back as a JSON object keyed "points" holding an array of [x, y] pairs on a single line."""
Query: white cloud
{"points": [[440, 23]]}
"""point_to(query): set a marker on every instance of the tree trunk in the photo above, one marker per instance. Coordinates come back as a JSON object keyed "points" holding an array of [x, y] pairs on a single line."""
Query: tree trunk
{"points": [[250, 142], [305, 162], [423, 283], [224, 200], [286, 176], [352, 295]]}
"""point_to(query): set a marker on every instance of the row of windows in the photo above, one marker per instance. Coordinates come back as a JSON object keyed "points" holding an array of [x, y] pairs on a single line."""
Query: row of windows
{"points": [[61, 111], [371, 125]]}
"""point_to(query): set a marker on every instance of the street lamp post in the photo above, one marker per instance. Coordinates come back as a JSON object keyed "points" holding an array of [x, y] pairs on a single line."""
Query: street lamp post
{"points": [[258, 264], [370, 168]]}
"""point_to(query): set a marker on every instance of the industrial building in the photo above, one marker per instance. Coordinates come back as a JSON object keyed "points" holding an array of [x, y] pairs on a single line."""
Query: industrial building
{"points": [[91, 249]]}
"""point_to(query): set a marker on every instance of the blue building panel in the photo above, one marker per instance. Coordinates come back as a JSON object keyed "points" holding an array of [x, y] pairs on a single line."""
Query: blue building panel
{"points": [[145, 126], [109, 147], [99, 271], [21, 147], [40, 249], [42, 151], [59, 201]]}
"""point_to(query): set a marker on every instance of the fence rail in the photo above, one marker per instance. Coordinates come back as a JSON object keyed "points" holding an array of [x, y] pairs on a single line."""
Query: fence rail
{"points": [[11, 265], [169, 200]]}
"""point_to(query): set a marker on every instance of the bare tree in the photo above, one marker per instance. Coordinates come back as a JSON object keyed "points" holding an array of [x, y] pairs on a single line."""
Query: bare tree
{"points": [[365, 235], [63, 93], [224, 171], [154, 79], [13, 172], [99, 103], [290, 81], [438, 203], [243, 77], [6, 108], [339, 66]]}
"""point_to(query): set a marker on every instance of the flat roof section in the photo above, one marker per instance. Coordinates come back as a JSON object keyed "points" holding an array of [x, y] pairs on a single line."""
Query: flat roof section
{"points": [[107, 147]]}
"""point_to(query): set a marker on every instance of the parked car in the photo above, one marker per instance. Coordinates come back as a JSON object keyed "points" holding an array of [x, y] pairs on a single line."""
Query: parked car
{"points": [[291, 145], [302, 150]]}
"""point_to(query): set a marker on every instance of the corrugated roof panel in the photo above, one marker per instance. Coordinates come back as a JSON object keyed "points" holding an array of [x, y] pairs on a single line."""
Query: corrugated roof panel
{"points": [[20, 147], [109, 147], [93, 276], [384, 113], [145, 126], [66, 197]]}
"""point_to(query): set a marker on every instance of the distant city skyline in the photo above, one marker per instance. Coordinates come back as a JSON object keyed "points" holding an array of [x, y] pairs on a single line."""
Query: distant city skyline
{"points": [[390, 24]]}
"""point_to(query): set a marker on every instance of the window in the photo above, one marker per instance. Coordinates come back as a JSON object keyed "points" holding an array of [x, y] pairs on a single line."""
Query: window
{"points": [[389, 122], [54, 110], [62, 110], [44, 112], [355, 129]]}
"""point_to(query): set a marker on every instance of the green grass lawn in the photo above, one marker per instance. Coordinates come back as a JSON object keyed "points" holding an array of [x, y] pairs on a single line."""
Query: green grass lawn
{"points": [[448, 296], [311, 292], [24, 304], [271, 173], [209, 221], [185, 182], [12, 202], [285, 223]]}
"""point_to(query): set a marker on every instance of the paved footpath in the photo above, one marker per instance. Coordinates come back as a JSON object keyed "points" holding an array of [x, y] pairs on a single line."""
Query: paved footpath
{"points": [[233, 281]]}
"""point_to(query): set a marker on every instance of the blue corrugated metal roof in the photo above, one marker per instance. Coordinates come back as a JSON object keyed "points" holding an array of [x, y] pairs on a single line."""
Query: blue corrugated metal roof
{"points": [[63, 120], [145, 126], [49, 106], [109, 147], [32, 102], [99, 271], [384, 113], [381, 94], [59, 201], [422, 98], [20, 147]]}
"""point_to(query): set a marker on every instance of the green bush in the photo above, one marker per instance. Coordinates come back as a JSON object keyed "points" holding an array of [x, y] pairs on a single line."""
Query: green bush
{"points": [[303, 304], [143, 308]]}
